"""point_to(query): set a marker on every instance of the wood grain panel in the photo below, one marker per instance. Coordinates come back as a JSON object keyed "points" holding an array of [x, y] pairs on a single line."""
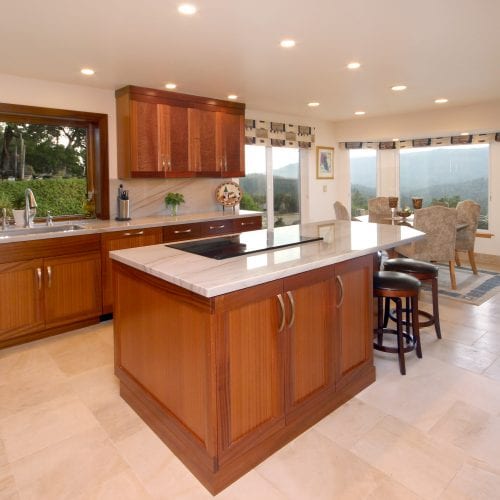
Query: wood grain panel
{"points": [[21, 290], [247, 224], [233, 142], [179, 140], [144, 136], [167, 350], [355, 317], [72, 288], [181, 232]]}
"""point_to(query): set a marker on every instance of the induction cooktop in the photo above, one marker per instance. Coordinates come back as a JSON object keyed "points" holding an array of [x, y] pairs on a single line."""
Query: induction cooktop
{"points": [[225, 247]]}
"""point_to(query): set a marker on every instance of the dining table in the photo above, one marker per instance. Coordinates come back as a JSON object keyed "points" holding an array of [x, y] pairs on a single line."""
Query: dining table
{"points": [[397, 220]]}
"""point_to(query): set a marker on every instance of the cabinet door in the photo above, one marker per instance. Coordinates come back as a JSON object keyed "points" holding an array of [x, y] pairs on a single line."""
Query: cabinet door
{"points": [[21, 292], [354, 280], [247, 224], [250, 366], [310, 300], [180, 232], [231, 133], [119, 240], [144, 139], [216, 227], [174, 141], [72, 288], [204, 148]]}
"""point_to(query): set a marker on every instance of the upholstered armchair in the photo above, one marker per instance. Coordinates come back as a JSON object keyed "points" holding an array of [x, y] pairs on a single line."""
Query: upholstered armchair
{"points": [[379, 206], [468, 212], [440, 226], [341, 212]]}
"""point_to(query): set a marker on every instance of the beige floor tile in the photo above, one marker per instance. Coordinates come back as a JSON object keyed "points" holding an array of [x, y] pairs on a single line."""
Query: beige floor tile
{"points": [[349, 422], [8, 487], [250, 487], [493, 371], [70, 469], [312, 467], [472, 430], [94, 387], [81, 351], [392, 490], [473, 482], [461, 333], [37, 427], [409, 457], [489, 341], [122, 486]]}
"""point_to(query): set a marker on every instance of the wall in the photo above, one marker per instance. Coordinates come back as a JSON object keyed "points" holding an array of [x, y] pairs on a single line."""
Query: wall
{"points": [[483, 117]]}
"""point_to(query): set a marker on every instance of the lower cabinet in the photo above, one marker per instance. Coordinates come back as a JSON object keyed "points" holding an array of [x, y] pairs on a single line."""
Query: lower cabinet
{"points": [[227, 381], [44, 294]]}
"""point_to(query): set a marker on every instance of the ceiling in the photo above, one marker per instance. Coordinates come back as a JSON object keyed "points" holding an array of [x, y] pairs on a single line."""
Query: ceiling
{"points": [[438, 48]]}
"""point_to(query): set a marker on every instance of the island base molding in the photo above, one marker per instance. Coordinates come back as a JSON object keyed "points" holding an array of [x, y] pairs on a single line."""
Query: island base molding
{"points": [[217, 477]]}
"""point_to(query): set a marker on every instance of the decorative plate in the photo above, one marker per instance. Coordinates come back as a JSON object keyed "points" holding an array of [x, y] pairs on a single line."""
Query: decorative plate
{"points": [[228, 194]]}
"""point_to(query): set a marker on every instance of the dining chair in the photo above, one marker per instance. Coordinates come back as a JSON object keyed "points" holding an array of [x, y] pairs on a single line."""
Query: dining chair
{"points": [[468, 212], [379, 206], [440, 226], [341, 212]]}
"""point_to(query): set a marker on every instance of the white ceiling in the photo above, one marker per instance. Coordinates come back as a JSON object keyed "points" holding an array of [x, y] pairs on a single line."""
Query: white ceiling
{"points": [[439, 48]]}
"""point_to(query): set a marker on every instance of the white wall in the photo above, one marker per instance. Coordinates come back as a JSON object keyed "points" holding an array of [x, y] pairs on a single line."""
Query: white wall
{"points": [[484, 117]]}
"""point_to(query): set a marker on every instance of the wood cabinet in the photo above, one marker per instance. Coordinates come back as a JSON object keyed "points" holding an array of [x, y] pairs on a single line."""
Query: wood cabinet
{"points": [[167, 134], [49, 286], [228, 380], [119, 240]]}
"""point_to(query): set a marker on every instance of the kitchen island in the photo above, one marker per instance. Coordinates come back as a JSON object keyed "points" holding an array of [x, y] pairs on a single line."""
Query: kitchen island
{"points": [[228, 360]]}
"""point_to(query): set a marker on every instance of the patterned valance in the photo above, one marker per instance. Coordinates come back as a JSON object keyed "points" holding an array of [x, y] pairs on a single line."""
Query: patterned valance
{"points": [[263, 133], [420, 143]]}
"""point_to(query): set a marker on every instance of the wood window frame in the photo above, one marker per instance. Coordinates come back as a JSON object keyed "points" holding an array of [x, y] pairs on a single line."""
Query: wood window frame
{"points": [[97, 144]]}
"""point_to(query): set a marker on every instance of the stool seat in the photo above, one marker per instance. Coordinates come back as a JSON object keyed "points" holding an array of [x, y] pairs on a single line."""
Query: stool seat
{"points": [[424, 271], [394, 286]]}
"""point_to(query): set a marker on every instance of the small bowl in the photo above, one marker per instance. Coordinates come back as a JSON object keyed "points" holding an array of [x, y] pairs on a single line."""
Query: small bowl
{"points": [[404, 213]]}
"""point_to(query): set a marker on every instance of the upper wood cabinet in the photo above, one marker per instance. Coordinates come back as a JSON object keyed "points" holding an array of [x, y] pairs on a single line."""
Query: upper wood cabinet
{"points": [[166, 134]]}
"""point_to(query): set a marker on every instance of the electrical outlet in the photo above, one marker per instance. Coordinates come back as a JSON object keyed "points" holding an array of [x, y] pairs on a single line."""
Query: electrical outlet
{"points": [[324, 188]]}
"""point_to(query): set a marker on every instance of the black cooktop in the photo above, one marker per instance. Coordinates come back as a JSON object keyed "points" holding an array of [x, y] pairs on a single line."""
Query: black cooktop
{"points": [[245, 243]]}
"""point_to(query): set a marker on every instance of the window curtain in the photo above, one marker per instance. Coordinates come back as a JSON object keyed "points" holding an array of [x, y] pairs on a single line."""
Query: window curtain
{"points": [[432, 141], [277, 134]]}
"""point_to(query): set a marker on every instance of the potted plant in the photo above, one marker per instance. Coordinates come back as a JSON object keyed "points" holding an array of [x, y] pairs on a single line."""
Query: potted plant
{"points": [[173, 200]]}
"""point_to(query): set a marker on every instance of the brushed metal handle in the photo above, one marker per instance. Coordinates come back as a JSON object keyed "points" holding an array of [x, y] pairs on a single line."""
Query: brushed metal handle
{"points": [[292, 304], [246, 224], [49, 276], [183, 231], [282, 308], [139, 233], [225, 164], [217, 227], [341, 285], [39, 277]]}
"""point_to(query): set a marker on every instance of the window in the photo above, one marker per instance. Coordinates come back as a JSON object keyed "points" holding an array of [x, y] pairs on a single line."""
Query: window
{"points": [[446, 174], [61, 155], [272, 184], [363, 163]]}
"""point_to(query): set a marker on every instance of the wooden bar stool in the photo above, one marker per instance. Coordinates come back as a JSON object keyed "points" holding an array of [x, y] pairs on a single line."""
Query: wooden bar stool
{"points": [[423, 271], [396, 286]]}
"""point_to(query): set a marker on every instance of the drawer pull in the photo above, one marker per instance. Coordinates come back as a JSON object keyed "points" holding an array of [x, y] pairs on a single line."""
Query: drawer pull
{"points": [[341, 288], [246, 224], [39, 277], [282, 310], [217, 227], [292, 304], [49, 275], [139, 233], [183, 231]]}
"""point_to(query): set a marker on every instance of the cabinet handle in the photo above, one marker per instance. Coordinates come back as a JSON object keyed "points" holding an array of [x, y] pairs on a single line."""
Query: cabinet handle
{"points": [[341, 287], [39, 277], [292, 304], [246, 224], [217, 227], [282, 309], [225, 164], [139, 233], [183, 231], [169, 164], [49, 275]]}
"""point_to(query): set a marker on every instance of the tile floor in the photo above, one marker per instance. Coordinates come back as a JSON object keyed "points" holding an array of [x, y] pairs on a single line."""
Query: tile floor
{"points": [[65, 433]]}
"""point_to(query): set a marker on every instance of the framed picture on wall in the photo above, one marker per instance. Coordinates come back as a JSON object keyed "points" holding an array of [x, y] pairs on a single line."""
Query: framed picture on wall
{"points": [[324, 162]]}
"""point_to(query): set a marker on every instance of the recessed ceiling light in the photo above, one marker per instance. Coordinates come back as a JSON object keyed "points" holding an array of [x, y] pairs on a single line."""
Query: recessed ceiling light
{"points": [[441, 101], [87, 71], [313, 104], [287, 44], [464, 133], [232, 96], [187, 9], [398, 88], [353, 65], [171, 86], [360, 113], [396, 139]]}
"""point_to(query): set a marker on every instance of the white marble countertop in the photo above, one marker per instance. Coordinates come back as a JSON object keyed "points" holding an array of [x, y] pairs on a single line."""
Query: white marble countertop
{"points": [[342, 240], [90, 226]]}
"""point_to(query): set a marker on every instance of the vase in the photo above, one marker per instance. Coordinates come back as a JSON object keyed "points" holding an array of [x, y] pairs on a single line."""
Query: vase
{"points": [[174, 210], [18, 217]]}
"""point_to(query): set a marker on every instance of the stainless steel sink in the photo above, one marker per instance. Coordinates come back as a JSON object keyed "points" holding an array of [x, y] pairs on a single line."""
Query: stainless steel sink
{"points": [[64, 228]]}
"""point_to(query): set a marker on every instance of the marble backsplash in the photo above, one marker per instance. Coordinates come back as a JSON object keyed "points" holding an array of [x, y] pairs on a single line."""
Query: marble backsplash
{"points": [[146, 195]]}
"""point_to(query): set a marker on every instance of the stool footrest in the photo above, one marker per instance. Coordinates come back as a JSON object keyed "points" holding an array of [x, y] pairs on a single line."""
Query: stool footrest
{"points": [[409, 340]]}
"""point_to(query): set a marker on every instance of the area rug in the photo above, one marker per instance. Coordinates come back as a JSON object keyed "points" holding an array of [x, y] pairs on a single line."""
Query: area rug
{"points": [[471, 288]]}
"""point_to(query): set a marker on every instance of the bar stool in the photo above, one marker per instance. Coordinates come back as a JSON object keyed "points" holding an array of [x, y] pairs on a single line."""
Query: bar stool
{"points": [[396, 286], [423, 271]]}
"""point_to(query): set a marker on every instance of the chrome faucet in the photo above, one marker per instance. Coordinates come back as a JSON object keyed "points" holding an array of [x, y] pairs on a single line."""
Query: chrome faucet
{"points": [[29, 208], [50, 220]]}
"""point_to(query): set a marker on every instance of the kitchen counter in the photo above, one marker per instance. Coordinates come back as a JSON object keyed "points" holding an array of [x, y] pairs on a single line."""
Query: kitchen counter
{"points": [[342, 240], [90, 226]]}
